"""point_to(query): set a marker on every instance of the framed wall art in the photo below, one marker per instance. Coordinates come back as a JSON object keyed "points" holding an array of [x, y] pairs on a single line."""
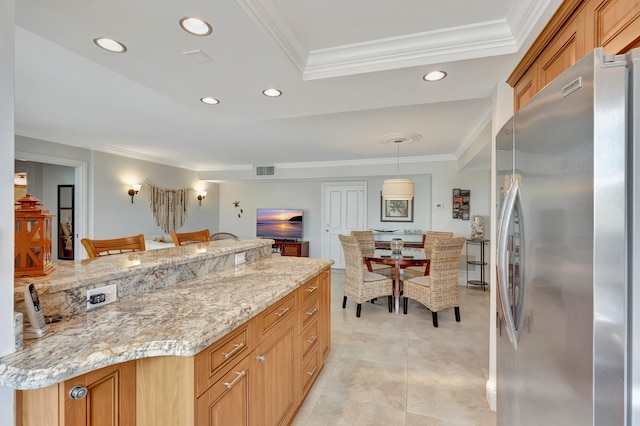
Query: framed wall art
{"points": [[396, 210], [461, 205]]}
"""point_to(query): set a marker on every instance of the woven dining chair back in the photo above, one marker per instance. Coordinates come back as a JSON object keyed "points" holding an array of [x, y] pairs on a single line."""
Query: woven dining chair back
{"points": [[368, 246], [439, 290], [361, 285], [429, 240]]}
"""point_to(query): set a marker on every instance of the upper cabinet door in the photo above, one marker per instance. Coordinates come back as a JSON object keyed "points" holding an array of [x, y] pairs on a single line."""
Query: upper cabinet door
{"points": [[613, 24]]}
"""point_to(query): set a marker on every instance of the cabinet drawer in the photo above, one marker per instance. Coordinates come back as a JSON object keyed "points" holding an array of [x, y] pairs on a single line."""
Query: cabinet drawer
{"points": [[309, 371], [226, 351], [310, 337], [229, 398], [311, 288], [278, 312], [310, 310]]}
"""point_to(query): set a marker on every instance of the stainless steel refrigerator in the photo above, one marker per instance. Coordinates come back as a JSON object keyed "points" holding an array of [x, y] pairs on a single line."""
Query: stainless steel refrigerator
{"points": [[567, 251]]}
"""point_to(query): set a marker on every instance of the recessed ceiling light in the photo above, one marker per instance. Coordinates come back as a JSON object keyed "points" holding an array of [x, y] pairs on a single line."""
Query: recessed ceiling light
{"points": [[195, 26], [209, 100], [434, 76], [110, 44], [272, 93]]}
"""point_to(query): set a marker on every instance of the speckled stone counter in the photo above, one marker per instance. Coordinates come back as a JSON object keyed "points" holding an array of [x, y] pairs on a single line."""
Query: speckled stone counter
{"points": [[180, 320], [64, 291]]}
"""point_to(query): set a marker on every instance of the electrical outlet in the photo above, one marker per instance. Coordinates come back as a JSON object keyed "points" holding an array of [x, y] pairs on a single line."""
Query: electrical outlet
{"points": [[101, 296], [240, 258]]}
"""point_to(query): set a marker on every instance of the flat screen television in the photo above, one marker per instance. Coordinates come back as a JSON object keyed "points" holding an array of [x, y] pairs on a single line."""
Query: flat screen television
{"points": [[279, 224]]}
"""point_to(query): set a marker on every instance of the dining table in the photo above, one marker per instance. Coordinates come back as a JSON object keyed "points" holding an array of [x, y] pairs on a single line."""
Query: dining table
{"points": [[408, 257]]}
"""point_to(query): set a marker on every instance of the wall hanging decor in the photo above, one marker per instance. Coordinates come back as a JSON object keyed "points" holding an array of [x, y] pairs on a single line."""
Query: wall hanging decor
{"points": [[461, 207], [168, 206]]}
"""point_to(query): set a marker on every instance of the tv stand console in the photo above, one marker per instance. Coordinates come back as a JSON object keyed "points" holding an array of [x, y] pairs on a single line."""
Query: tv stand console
{"points": [[291, 248]]}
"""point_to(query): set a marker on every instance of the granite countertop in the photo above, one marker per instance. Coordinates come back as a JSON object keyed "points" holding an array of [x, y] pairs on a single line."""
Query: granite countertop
{"points": [[180, 320], [82, 273]]}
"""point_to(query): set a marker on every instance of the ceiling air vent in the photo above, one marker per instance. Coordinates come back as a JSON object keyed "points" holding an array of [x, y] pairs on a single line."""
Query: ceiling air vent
{"points": [[265, 170]]}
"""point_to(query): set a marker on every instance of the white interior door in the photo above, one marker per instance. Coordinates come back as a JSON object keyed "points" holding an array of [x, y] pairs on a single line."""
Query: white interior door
{"points": [[344, 209]]}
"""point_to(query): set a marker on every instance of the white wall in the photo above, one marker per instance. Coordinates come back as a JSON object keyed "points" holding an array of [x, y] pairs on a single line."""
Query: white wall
{"points": [[115, 215], [435, 185], [7, 49]]}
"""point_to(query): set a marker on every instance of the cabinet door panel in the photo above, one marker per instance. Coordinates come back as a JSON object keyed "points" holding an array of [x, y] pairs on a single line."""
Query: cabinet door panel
{"points": [[564, 50], [110, 399], [279, 369], [228, 401], [616, 24]]}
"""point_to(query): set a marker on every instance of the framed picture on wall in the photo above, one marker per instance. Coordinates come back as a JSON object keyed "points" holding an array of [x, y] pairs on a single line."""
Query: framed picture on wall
{"points": [[396, 210]]}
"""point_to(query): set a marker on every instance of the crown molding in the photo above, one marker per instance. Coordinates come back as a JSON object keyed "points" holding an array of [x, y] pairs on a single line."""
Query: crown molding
{"points": [[271, 19], [450, 44], [138, 156], [367, 162], [490, 38]]}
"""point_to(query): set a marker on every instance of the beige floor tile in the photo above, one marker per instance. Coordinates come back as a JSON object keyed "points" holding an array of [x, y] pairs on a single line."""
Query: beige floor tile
{"points": [[388, 369]]}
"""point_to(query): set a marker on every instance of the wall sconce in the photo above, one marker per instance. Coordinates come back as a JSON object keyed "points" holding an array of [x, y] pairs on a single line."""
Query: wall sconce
{"points": [[134, 190], [201, 196]]}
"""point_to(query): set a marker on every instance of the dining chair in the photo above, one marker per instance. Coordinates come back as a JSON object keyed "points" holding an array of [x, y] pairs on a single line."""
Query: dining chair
{"points": [[98, 248], [223, 236], [360, 284], [368, 246], [184, 238], [429, 240], [438, 290]]}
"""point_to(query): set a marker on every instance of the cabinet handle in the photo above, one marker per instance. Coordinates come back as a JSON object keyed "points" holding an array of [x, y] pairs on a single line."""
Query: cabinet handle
{"points": [[313, 370], [78, 392], [282, 312], [312, 339], [239, 375], [312, 312], [235, 348], [262, 358], [312, 289]]}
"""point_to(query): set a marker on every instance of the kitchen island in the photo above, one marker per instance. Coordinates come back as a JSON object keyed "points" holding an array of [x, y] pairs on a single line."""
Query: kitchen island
{"points": [[181, 341]]}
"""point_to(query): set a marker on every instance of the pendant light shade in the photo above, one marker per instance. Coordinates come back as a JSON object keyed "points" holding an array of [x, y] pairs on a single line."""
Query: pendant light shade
{"points": [[398, 189]]}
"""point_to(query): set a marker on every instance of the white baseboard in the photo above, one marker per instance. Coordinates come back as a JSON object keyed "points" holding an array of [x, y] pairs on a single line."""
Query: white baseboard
{"points": [[490, 393]]}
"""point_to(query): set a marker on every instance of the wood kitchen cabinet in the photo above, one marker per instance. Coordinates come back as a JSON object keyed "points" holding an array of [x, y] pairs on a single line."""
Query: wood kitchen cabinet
{"points": [[256, 375], [229, 401], [577, 27], [104, 397]]}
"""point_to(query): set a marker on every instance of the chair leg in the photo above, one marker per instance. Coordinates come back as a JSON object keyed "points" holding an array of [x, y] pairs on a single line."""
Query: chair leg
{"points": [[344, 302], [358, 309], [434, 316], [457, 311], [405, 305], [390, 302]]}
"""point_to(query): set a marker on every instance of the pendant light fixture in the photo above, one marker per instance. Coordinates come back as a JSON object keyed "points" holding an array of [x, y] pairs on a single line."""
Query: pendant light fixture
{"points": [[398, 189]]}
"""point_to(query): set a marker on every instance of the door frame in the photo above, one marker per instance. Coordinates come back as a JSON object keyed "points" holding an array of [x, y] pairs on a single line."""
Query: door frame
{"points": [[80, 193]]}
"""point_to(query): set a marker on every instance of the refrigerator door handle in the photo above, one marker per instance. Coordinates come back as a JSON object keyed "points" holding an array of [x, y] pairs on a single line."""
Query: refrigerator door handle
{"points": [[510, 205]]}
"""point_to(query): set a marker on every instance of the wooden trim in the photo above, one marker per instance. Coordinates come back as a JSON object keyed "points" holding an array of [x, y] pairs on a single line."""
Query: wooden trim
{"points": [[562, 15]]}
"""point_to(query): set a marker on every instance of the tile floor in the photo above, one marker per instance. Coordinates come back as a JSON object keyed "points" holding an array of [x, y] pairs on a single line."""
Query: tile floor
{"points": [[385, 369]]}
